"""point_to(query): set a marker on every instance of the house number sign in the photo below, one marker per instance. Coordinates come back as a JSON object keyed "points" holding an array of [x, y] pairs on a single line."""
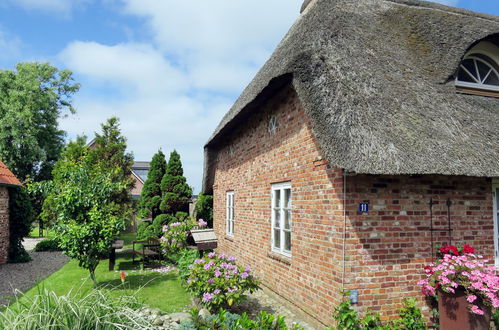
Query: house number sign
{"points": [[364, 207]]}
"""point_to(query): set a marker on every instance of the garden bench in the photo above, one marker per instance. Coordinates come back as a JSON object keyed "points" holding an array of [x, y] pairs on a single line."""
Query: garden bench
{"points": [[151, 249]]}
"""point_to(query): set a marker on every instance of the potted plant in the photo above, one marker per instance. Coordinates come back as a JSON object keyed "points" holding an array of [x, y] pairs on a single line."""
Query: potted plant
{"points": [[466, 288]]}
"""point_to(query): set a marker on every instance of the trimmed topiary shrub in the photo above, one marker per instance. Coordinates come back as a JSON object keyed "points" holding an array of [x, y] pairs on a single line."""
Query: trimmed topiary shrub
{"points": [[150, 198], [48, 245]]}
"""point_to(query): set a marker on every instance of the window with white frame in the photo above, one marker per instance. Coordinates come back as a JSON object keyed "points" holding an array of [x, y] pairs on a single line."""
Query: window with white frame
{"points": [[230, 213], [281, 218]]}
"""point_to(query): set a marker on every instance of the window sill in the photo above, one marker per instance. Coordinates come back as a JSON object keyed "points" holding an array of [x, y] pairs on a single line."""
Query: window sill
{"points": [[229, 238], [280, 257]]}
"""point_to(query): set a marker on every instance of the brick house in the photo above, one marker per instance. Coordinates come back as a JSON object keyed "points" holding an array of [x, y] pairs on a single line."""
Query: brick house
{"points": [[7, 179], [366, 140], [140, 170]]}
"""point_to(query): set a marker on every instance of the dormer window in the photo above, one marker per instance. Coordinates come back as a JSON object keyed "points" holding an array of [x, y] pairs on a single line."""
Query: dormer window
{"points": [[478, 72]]}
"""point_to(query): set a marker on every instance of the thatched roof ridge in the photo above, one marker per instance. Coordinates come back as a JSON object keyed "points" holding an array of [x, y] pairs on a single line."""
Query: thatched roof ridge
{"points": [[376, 78]]}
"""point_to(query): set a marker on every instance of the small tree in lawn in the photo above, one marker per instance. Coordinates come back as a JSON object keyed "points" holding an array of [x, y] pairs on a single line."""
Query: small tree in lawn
{"points": [[88, 198], [150, 198], [176, 191]]}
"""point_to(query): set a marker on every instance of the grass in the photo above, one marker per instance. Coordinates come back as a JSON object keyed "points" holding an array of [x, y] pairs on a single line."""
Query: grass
{"points": [[163, 291], [35, 232]]}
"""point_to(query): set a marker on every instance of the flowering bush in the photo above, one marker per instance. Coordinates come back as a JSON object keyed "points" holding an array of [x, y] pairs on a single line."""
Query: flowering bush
{"points": [[175, 235], [218, 281], [463, 268]]}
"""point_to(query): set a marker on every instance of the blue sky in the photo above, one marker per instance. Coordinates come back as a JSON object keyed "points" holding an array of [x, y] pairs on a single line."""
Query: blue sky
{"points": [[168, 69]]}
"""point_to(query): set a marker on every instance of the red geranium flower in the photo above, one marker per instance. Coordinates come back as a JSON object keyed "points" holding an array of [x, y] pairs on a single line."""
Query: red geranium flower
{"points": [[468, 249], [449, 249]]}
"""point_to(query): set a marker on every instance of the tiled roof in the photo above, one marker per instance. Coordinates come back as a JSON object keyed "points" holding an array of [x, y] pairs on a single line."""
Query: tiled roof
{"points": [[6, 176]]}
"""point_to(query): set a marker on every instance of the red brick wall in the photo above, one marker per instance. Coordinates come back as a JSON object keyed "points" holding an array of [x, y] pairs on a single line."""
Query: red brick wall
{"points": [[386, 247], [4, 224], [137, 189], [253, 159]]}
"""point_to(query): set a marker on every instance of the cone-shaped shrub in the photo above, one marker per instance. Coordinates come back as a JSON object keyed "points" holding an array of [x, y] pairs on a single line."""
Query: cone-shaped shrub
{"points": [[150, 198]]}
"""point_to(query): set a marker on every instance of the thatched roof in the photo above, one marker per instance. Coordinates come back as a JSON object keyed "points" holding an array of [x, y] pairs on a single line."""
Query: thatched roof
{"points": [[376, 78]]}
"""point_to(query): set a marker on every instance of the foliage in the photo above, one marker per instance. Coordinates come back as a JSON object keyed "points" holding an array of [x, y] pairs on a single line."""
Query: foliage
{"points": [[225, 320], [495, 317], [95, 310], [218, 281], [90, 196], [109, 153], [38, 192], [410, 317], [32, 100], [463, 268], [150, 197], [49, 244], [346, 317], [145, 230], [204, 208], [184, 259], [20, 220], [174, 237], [176, 191]]}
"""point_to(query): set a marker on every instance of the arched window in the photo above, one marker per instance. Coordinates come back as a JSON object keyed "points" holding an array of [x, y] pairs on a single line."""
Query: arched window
{"points": [[478, 72]]}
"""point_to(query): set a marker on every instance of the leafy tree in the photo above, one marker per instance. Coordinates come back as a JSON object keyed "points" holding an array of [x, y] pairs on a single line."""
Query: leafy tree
{"points": [[32, 99], [204, 208], [88, 199], [150, 197], [109, 152], [20, 219], [176, 191]]}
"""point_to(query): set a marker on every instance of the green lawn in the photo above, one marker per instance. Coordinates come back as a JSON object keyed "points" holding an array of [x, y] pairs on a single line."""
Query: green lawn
{"points": [[35, 232], [163, 291]]}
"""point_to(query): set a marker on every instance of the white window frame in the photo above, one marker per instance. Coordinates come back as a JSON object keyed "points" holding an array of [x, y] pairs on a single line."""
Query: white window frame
{"points": [[229, 215], [495, 190], [478, 84], [280, 188]]}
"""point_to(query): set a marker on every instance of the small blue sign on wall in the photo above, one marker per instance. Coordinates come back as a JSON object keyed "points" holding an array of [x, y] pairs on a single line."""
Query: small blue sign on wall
{"points": [[364, 207], [354, 296]]}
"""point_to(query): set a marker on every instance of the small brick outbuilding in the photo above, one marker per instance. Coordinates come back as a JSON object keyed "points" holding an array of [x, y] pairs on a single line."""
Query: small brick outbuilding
{"points": [[368, 138], [7, 179]]}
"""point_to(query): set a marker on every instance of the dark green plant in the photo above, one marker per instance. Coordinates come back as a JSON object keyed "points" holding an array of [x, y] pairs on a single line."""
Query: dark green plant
{"points": [[204, 209], [38, 192], [150, 198], [49, 244], [33, 98], [183, 260], [495, 317], [176, 191], [225, 320], [410, 317], [20, 220]]}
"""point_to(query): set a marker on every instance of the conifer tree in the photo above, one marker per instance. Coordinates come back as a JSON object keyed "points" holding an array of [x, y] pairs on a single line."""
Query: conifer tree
{"points": [[176, 191], [150, 198]]}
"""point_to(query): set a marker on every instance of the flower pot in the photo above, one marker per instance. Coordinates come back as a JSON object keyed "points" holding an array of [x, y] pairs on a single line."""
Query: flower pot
{"points": [[454, 313]]}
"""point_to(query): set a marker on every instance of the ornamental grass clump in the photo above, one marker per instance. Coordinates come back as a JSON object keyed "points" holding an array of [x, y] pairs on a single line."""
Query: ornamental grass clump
{"points": [[463, 268], [219, 282], [94, 310]]}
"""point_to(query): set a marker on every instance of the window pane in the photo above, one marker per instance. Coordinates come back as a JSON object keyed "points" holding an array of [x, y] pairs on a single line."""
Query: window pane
{"points": [[277, 238], [464, 76], [287, 219], [231, 213], [277, 218], [483, 69], [232, 227], [287, 241], [277, 194], [492, 79], [287, 198]]}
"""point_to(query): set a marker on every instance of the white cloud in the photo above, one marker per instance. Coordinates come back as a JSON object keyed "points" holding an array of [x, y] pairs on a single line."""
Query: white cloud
{"points": [[172, 92], [10, 46], [136, 66]]}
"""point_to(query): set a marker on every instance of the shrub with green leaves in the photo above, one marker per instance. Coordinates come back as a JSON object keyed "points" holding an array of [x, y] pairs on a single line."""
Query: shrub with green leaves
{"points": [[219, 282], [48, 245], [150, 197], [95, 310], [204, 208], [410, 317], [225, 320], [20, 220], [176, 191], [174, 237]]}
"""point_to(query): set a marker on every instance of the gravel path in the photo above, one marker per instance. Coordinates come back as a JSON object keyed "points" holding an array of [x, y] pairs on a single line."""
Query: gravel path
{"points": [[23, 276]]}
